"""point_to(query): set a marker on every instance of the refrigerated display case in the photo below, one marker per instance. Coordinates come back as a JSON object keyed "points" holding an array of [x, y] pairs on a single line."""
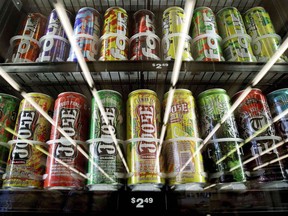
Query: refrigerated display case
{"points": [[125, 76]]}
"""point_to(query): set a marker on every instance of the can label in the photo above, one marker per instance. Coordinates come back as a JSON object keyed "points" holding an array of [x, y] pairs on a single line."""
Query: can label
{"points": [[26, 164], [71, 114], [143, 117], [144, 22], [172, 21]]}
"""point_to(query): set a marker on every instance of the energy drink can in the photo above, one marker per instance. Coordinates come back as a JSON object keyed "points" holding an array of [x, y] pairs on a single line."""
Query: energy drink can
{"points": [[102, 149], [183, 163], [27, 158], [9, 105], [144, 22], [222, 156], [172, 21], [143, 130], [71, 112], [254, 120]]}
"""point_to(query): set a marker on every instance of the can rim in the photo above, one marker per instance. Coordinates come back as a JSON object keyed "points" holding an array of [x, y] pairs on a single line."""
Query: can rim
{"points": [[253, 8], [38, 93], [276, 91], [179, 90], [221, 10], [116, 7], [70, 92], [57, 14], [4, 94], [221, 90], [202, 7], [109, 90], [88, 8], [252, 89], [142, 90], [171, 8], [144, 10]]}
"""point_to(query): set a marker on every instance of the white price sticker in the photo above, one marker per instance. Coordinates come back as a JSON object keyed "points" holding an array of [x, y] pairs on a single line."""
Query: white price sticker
{"points": [[140, 202]]}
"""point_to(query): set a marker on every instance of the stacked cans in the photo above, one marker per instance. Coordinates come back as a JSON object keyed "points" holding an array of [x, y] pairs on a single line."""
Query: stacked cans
{"points": [[255, 122], [206, 43], [87, 34], [54, 44], [172, 24], [236, 43], [144, 44], [265, 41], [66, 163], [27, 159], [25, 45], [222, 156], [114, 40]]}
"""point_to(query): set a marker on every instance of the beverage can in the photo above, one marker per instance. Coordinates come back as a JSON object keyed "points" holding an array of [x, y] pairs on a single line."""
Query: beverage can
{"points": [[115, 22], [144, 46], [143, 130], [71, 112], [102, 149], [9, 105], [172, 20], [203, 22], [183, 166], [207, 47], [143, 22], [254, 120], [222, 155], [26, 163]]}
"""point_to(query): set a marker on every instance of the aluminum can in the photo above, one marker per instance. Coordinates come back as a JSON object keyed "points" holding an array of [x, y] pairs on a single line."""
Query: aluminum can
{"points": [[181, 143], [221, 154], [207, 47], [115, 22], [143, 22], [144, 46], [143, 130], [170, 45], [172, 21], [114, 47], [254, 120], [230, 22], [258, 22], [203, 22], [238, 48], [102, 148], [71, 112], [26, 162], [9, 105]]}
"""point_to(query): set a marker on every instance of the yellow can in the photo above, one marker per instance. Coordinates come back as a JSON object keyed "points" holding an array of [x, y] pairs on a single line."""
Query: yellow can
{"points": [[173, 20]]}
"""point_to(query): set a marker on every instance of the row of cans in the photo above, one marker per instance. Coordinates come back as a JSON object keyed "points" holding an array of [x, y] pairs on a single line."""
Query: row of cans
{"points": [[182, 162]]}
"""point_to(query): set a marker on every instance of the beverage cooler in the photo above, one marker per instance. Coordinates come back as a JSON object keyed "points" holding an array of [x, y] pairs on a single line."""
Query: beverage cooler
{"points": [[145, 107]]}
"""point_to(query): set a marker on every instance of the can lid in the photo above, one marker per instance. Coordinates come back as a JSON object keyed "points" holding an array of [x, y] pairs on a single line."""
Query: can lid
{"points": [[71, 93], [116, 7], [202, 7], [144, 10], [212, 91], [239, 92], [35, 94], [252, 9], [173, 8], [278, 91], [109, 90], [225, 8], [90, 8], [8, 95], [149, 91], [177, 91]]}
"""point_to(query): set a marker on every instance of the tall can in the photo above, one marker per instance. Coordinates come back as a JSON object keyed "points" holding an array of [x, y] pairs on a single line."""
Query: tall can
{"points": [[143, 130], [222, 155], [102, 149], [254, 120], [9, 105], [27, 159], [183, 163], [71, 112], [143, 22], [172, 21]]}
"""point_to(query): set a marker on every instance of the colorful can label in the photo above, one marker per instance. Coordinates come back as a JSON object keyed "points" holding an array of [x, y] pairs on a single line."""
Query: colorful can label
{"points": [[182, 141], [207, 47], [9, 105], [170, 45], [144, 46], [26, 163], [114, 47], [144, 22], [238, 49], [253, 116], [143, 124], [258, 22], [172, 21], [230, 22], [203, 22], [102, 149], [115, 21], [71, 112], [213, 104]]}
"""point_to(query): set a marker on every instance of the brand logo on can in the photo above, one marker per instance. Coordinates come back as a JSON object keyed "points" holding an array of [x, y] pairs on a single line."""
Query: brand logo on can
{"points": [[209, 24], [176, 110], [22, 150], [149, 49], [237, 22], [120, 47], [209, 53]]}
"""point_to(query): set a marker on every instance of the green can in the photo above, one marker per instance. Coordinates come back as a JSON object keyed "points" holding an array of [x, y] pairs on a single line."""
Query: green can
{"points": [[221, 154], [9, 106], [258, 22], [203, 22], [238, 48], [172, 20], [230, 22], [102, 149]]}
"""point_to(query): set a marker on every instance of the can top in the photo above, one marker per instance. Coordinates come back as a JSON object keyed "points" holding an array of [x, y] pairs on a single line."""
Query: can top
{"points": [[37, 94], [177, 91], [211, 92], [173, 8], [202, 7], [88, 8], [254, 8], [116, 7], [225, 8], [239, 92], [8, 95], [144, 10], [54, 10], [278, 91], [71, 93], [109, 90], [148, 91]]}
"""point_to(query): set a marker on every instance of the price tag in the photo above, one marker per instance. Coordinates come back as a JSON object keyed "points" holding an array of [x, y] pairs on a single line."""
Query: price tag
{"points": [[141, 202], [160, 65]]}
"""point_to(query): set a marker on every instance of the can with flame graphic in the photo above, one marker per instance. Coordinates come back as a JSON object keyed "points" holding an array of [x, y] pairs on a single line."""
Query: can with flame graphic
{"points": [[254, 120], [143, 119], [27, 160], [66, 163]]}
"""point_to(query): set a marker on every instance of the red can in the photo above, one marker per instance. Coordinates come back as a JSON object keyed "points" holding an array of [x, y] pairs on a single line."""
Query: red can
{"points": [[144, 21], [71, 113]]}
